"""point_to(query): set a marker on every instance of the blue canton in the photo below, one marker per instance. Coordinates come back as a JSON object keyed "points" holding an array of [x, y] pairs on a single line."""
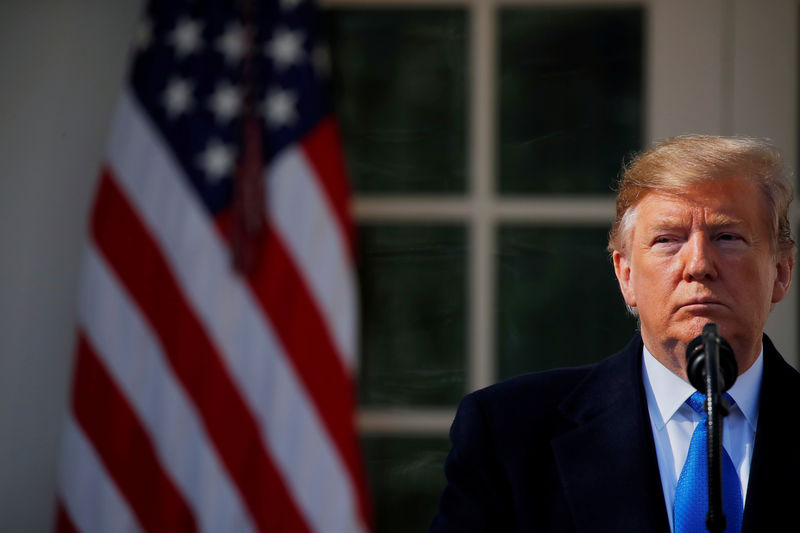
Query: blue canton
{"points": [[192, 75]]}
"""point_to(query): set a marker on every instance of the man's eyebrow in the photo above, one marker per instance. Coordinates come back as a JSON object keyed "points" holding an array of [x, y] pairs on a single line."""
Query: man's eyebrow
{"points": [[717, 221], [721, 221], [669, 223]]}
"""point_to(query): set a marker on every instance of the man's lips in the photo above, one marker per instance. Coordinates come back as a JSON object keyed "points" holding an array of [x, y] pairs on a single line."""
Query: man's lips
{"points": [[701, 303]]}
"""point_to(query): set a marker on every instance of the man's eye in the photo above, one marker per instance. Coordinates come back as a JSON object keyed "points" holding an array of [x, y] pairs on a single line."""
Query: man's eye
{"points": [[727, 237], [662, 240]]}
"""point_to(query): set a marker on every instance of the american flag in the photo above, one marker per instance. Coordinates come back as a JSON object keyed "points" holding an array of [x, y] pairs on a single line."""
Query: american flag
{"points": [[216, 342]]}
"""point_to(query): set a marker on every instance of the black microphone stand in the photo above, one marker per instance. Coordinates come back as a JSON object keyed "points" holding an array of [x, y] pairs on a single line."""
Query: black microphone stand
{"points": [[715, 519], [709, 376]]}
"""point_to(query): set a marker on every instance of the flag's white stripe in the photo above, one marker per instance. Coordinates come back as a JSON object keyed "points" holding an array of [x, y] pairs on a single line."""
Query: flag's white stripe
{"points": [[315, 475], [315, 240], [90, 497], [134, 358]]}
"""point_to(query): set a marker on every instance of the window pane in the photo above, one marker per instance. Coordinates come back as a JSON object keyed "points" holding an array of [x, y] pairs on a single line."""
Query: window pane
{"points": [[406, 476], [571, 97], [413, 308], [559, 302], [400, 90]]}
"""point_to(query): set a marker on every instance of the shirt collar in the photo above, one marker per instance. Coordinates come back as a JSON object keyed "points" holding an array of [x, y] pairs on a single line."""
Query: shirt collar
{"points": [[670, 391], [747, 388]]}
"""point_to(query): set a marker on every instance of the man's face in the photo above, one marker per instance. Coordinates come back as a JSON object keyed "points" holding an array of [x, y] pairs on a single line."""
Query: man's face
{"points": [[703, 256]]}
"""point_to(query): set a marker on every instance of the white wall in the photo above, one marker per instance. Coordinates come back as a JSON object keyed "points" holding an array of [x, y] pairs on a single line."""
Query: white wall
{"points": [[61, 66]]}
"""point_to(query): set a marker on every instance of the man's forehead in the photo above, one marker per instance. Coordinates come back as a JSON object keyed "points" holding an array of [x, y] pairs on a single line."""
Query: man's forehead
{"points": [[719, 202], [685, 204]]}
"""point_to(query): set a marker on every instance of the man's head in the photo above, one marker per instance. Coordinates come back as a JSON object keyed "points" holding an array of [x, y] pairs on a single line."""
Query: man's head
{"points": [[702, 235]]}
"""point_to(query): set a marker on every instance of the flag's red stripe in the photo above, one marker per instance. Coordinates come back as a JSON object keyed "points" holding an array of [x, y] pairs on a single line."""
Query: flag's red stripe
{"points": [[137, 260], [307, 340], [323, 148], [63, 522], [124, 447]]}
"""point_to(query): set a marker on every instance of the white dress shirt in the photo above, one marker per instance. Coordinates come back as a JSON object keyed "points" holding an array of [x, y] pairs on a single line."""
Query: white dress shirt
{"points": [[673, 421]]}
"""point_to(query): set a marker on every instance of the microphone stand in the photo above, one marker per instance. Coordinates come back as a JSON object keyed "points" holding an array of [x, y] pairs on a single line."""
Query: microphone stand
{"points": [[715, 519]]}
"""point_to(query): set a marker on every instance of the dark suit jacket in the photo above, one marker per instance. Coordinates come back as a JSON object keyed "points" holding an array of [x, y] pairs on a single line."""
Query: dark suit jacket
{"points": [[572, 450]]}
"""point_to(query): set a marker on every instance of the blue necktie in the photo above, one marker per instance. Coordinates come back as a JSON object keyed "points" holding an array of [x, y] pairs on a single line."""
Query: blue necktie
{"points": [[691, 494]]}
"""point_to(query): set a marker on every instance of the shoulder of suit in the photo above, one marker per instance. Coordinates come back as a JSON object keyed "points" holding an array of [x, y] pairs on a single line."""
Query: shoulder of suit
{"points": [[533, 392], [777, 366]]}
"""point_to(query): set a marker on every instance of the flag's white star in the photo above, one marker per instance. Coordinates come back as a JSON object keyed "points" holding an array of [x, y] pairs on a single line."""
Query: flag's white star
{"points": [[231, 44], [186, 37], [290, 4], [280, 108], [286, 48], [178, 98], [226, 102], [321, 59], [144, 34], [216, 160]]}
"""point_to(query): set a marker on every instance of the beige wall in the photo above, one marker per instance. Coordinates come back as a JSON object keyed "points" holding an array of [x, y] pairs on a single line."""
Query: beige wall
{"points": [[61, 65]]}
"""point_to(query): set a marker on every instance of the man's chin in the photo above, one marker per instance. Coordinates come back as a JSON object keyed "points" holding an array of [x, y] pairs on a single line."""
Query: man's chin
{"points": [[677, 339], [677, 336], [694, 327], [693, 319]]}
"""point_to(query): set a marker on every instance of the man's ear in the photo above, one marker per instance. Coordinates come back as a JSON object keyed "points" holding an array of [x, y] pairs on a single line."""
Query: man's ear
{"points": [[622, 268], [783, 279]]}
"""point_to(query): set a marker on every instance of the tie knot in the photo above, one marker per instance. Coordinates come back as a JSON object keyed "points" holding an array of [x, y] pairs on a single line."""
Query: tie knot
{"points": [[697, 401]]}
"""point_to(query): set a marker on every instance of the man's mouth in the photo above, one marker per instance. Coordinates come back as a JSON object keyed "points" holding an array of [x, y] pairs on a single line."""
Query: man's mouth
{"points": [[705, 302]]}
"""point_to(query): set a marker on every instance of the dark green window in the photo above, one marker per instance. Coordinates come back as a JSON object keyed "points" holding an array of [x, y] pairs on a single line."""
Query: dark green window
{"points": [[400, 91], [570, 96], [413, 304]]}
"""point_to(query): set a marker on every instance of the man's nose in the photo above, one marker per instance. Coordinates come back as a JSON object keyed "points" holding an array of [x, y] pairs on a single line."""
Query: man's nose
{"points": [[699, 258]]}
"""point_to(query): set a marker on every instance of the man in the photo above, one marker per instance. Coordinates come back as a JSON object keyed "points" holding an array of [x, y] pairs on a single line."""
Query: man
{"points": [[701, 235]]}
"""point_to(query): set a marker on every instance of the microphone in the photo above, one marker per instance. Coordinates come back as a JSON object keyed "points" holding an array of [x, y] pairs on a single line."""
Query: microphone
{"points": [[698, 351], [711, 369]]}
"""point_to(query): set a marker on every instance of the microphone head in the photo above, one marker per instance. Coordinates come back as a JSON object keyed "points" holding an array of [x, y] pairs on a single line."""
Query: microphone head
{"points": [[696, 364]]}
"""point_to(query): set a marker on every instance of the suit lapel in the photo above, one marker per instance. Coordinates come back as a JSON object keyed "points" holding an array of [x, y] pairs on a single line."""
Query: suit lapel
{"points": [[773, 491], [605, 456]]}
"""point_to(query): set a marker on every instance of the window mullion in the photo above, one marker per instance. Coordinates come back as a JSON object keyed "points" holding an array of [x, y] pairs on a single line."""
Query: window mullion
{"points": [[481, 364]]}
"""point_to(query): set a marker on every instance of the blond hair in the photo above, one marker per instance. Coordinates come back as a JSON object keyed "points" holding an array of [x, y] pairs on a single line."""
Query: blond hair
{"points": [[674, 164]]}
